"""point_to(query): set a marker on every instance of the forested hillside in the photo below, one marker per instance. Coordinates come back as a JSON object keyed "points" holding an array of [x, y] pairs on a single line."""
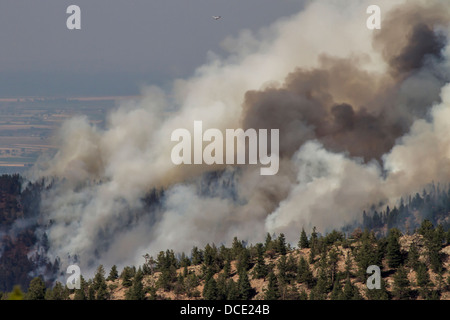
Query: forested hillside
{"points": [[410, 243], [333, 267]]}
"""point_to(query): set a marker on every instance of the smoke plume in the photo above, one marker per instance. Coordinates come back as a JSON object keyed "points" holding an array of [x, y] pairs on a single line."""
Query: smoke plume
{"points": [[363, 118]]}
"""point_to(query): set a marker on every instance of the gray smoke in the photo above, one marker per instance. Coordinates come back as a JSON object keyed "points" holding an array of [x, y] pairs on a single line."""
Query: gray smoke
{"points": [[362, 118]]}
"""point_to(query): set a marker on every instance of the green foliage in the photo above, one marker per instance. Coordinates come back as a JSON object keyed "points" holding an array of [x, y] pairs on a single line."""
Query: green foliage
{"points": [[210, 291], [16, 294], [272, 292], [350, 292], [36, 289], [413, 257], [378, 294], [303, 243], [401, 290], [136, 291], [244, 288], [304, 273], [127, 275], [260, 268], [281, 244], [113, 274], [394, 255], [58, 292], [99, 284]]}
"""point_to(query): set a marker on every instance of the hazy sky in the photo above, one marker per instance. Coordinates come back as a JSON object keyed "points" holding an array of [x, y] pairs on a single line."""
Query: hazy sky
{"points": [[121, 44]]}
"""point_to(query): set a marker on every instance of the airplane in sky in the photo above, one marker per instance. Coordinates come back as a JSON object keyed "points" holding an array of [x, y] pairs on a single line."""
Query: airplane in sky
{"points": [[216, 17]]}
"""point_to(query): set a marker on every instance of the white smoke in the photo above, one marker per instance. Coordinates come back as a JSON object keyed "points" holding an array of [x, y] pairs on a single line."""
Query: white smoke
{"points": [[96, 210]]}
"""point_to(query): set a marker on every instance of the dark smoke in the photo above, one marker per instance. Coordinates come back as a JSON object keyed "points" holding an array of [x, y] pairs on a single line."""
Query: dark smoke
{"points": [[347, 108]]}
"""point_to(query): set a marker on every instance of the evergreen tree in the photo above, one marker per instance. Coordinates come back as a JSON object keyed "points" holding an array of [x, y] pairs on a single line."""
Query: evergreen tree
{"points": [[348, 265], [244, 287], [423, 281], [36, 289], [350, 291], [413, 256], [80, 294], [260, 268], [58, 292], [91, 292], [227, 268], [272, 292], [210, 288], [222, 288], [393, 255], [333, 258], [282, 277], [232, 290], [336, 293], [281, 244], [304, 273], [197, 256], [313, 245], [236, 247], [243, 262], [303, 242], [136, 291], [378, 294], [99, 284], [303, 295], [366, 254], [401, 290], [113, 274], [268, 245], [126, 276]]}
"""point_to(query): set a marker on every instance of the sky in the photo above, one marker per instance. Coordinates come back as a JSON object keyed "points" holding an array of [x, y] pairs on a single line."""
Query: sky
{"points": [[122, 45]]}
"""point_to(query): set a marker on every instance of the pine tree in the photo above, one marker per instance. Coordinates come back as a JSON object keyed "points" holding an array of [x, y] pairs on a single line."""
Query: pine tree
{"points": [[348, 266], [268, 245], [232, 290], [281, 265], [413, 257], [260, 268], [80, 294], [126, 276], [113, 274], [336, 293], [99, 284], [304, 273], [350, 292], [244, 287], [58, 292], [393, 255], [197, 256], [423, 281], [303, 242], [281, 244], [378, 294], [136, 291], [313, 245], [222, 289], [333, 258], [272, 292], [210, 288], [303, 295], [243, 262], [401, 290], [36, 289]]}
